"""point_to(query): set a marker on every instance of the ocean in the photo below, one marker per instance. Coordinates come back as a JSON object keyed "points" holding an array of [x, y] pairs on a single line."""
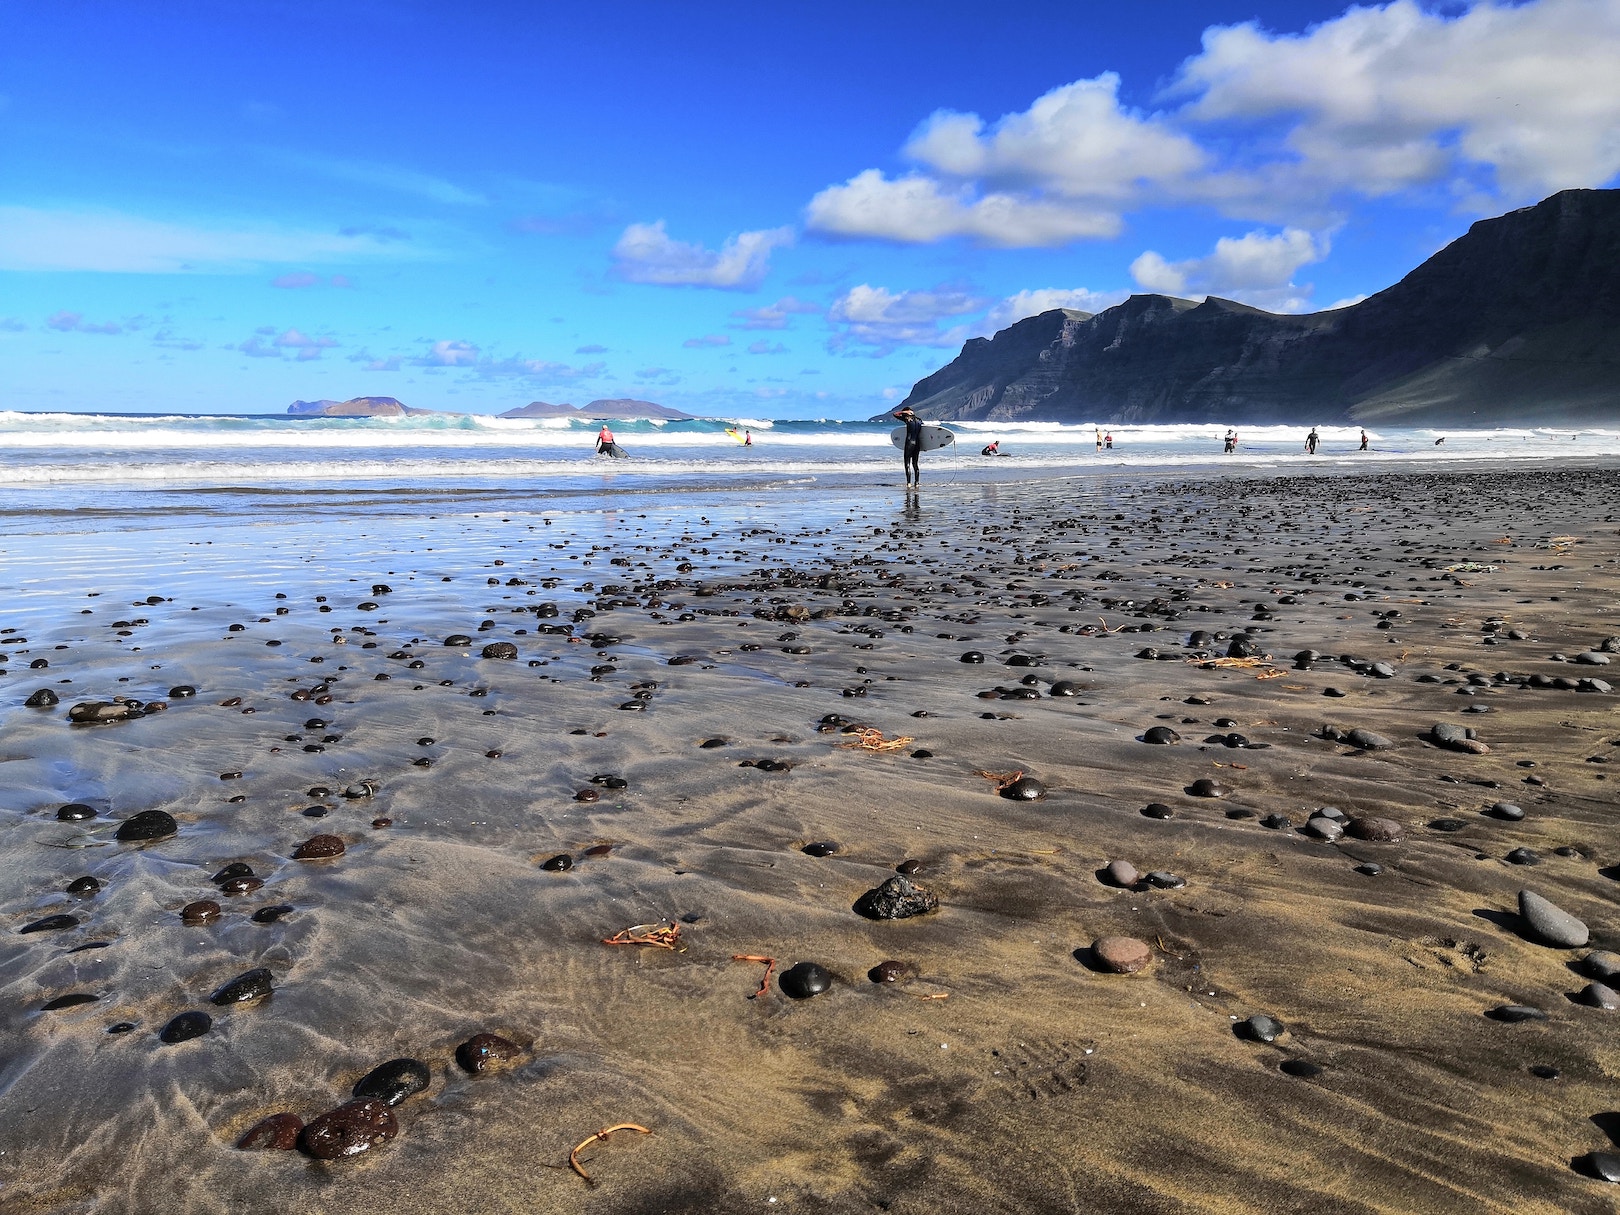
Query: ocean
{"points": [[59, 462]]}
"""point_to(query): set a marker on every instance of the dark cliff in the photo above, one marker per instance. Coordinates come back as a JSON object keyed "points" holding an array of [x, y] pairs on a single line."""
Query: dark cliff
{"points": [[1516, 321]]}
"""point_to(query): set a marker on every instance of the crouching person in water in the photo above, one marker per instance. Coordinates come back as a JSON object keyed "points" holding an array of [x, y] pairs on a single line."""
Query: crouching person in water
{"points": [[913, 445]]}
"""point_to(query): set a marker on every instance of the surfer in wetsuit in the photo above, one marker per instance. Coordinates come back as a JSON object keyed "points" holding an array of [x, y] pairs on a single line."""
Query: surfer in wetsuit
{"points": [[1310, 442], [992, 449], [748, 438], [604, 439], [1363, 441], [1231, 441], [913, 445]]}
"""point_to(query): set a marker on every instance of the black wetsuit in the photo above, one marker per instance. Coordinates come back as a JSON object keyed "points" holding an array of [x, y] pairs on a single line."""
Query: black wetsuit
{"points": [[913, 449]]}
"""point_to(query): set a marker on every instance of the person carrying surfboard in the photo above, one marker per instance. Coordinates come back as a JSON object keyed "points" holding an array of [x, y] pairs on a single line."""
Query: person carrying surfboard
{"points": [[913, 445], [604, 439]]}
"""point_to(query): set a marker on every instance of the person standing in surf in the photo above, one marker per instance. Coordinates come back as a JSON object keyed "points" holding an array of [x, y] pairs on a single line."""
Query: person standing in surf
{"points": [[913, 445], [604, 439], [1310, 442]]}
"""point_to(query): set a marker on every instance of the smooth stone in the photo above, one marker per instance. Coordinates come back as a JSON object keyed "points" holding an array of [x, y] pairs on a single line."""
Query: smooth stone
{"points": [[1243, 646], [1336, 693], [1157, 810], [1324, 828], [826, 848], [235, 869], [1553, 925], [1601, 964], [887, 972], [1123, 873], [1591, 658], [561, 863], [318, 848], [1024, 789], [972, 656], [1507, 811], [269, 915], [250, 985], [240, 885], [200, 912], [1512, 1014], [42, 699], [1261, 1028], [75, 812], [1368, 741], [90, 711], [500, 649], [1444, 732], [1332, 812], [1376, 830], [1522, 856], [1601, 995], [909, 867], [186, 1026], [83, 887], [804, 980], [1381, 670], [1302, 1069], [897, 899], [147, 825], [1121, 955], [181, 691], [458, 640], [51, 923], [83, 997], [1605, 1165], [393, 1081], [1370, 868], [1065, 687], [1205, 787], [1276, 822], [277, 1133], [349, 1130], [483, 1052], [1160, 736]]}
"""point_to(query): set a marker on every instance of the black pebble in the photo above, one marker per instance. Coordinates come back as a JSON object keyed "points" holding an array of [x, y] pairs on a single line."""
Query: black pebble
{"points": [[147, 825], [51, 923], [1157, 810], [251, 985], [75, 812], [42, 699], [186, 1026], [84, 886], [805, 980], [560, 863], [1024, 789], [822, 849], [269, 915], [1160, 736], [393, 1081]]}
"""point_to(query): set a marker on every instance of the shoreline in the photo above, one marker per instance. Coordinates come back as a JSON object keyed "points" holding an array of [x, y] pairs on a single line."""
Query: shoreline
{"points": [[1037, 1083]]}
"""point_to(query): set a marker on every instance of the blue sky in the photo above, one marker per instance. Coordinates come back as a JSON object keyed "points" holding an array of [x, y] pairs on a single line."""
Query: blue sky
{"points": [[789, 210]]}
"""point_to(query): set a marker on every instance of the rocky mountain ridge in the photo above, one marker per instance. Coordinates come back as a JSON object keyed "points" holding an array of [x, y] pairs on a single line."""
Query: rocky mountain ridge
{"points": [[1517, 321]]}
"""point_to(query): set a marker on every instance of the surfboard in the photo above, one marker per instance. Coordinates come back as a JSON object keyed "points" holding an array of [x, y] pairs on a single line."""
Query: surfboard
{"points": [[736, 434], [933, 437], [615, 451]]}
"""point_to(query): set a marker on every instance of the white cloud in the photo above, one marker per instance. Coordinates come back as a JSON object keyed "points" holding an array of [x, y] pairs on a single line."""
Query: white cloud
{"points": [[1255, 269], [1044, 299], [1387, 98], [921, 210], [450, 354], [1077, 141], [74, 322], [113, 242], [1496, 103], [383, 176], [883, 321], [255, 348], [763, 346], [646, 253], [773, 316], [300, 341], [708, 339]]}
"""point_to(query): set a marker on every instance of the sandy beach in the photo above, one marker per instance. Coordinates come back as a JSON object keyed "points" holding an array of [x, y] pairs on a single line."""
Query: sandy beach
{"points": [[703, 710]]}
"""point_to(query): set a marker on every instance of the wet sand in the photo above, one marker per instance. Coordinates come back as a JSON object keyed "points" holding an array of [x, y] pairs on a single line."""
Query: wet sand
{"points": [[1007, 1071]]}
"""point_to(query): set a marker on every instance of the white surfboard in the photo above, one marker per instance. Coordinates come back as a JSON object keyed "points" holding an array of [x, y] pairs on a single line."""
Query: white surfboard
{"points": [[933, 437]]}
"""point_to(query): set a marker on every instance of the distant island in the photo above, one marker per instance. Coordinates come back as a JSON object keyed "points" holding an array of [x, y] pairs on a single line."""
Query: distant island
{"points": [[1515, 322], [620, 409], [356, 407]]}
